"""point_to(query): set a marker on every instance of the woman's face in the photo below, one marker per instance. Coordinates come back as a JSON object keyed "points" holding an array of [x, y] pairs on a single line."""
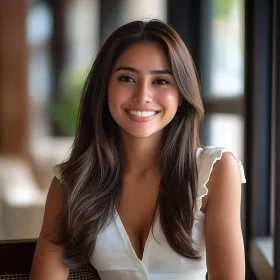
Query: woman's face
{"points": [[142, 93]]}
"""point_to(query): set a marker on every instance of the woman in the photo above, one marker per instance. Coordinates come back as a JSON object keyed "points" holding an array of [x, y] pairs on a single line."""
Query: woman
{"points": [[138, 197]]}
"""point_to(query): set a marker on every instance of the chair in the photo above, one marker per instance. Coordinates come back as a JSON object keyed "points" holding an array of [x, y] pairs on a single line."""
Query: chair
{"points": [[16, 259]]}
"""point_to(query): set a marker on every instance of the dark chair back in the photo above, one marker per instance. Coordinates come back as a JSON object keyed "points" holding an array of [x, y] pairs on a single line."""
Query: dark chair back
{"points": [[16, 260]]}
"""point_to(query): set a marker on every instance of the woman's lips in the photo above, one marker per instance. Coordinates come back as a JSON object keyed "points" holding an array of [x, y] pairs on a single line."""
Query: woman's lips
{"points": [[141, 115]]}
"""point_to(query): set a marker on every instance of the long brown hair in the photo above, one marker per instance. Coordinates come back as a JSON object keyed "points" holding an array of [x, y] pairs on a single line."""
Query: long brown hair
{"points": [[92, 175]]}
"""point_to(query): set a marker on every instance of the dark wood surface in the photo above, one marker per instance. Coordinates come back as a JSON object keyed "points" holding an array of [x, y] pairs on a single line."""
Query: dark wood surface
{"points": [[16, 256], [16, 259]]}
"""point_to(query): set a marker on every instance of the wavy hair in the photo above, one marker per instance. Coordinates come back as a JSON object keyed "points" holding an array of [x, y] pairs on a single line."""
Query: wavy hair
{"points": [[92, 174]]}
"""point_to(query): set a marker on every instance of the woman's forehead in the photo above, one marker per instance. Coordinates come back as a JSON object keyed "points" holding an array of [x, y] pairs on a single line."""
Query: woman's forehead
{"points": [[144, 55]]}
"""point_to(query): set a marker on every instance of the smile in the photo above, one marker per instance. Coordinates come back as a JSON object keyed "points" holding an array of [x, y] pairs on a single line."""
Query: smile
{"points": [[142, 114]]}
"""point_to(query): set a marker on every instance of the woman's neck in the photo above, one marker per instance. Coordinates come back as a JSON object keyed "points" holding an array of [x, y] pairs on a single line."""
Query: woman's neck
{"points": [[140, 154]]}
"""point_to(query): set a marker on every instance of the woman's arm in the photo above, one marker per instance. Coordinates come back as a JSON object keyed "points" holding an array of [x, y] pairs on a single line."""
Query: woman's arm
{"points": [[47, 261], [224, 241]]}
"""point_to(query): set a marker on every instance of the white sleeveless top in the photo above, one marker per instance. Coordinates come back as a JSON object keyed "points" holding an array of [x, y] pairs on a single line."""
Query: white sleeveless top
{"points": [[114, 257]]}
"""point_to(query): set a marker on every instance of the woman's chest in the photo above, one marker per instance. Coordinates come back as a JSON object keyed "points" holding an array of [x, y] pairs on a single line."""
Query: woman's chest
{"points": [[137, 208], [114, 252]]}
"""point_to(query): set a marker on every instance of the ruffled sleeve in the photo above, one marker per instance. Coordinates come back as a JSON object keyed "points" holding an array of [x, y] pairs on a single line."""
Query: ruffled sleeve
{"points": [[57, 172], [206, 158]]}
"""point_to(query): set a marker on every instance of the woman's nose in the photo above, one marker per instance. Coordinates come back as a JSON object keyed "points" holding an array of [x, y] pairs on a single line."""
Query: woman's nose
{"points": [[143, 94]]}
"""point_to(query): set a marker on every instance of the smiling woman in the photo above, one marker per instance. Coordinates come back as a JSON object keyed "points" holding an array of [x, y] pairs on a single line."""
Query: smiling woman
{"points": [[139, 197], [143, 96]]}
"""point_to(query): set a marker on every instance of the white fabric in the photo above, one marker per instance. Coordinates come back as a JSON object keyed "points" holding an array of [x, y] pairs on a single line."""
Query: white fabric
{"points": [[115, 258]]}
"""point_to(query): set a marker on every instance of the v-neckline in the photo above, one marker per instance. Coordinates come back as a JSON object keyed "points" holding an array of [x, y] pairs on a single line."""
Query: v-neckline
{"points": [[127, 240], [125, 236]]}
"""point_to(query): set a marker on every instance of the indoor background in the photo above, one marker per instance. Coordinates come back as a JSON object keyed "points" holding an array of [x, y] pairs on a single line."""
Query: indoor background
{"points": [[46, 50]]}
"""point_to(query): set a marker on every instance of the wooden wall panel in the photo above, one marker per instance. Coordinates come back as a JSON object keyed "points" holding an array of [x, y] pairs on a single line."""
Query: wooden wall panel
{"points": [[13, 77]]}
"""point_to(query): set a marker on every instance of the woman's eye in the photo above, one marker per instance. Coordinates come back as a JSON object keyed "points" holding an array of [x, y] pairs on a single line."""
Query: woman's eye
{"points": [[161, 82], [126, 79]]}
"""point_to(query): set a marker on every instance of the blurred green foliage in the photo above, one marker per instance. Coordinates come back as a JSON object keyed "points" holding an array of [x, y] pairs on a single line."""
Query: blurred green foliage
{"points": [[65, 110], [222, 8]]}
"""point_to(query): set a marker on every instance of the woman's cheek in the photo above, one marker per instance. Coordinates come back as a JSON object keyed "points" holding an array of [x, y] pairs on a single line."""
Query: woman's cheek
{"points": [[119, 94], [169, 97]]}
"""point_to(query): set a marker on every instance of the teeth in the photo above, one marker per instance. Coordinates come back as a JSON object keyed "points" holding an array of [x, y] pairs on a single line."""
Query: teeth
{"points": [[142, 113]]}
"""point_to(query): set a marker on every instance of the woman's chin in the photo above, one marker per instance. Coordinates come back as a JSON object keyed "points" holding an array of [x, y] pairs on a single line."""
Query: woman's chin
{"points": [[141, 134]]}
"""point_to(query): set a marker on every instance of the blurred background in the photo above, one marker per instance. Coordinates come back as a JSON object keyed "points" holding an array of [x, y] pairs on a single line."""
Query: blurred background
{"points": [[46, 50]]}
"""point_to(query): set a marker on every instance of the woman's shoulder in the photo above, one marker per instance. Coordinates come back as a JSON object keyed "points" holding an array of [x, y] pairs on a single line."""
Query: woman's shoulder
{"points": [[223, 161], [220, 174], [209, 155], [213, 152]]}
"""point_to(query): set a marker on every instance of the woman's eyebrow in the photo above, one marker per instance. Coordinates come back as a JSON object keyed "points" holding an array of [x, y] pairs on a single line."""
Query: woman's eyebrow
{"points": [[127, 68], [131, 69], [161, 72]]}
